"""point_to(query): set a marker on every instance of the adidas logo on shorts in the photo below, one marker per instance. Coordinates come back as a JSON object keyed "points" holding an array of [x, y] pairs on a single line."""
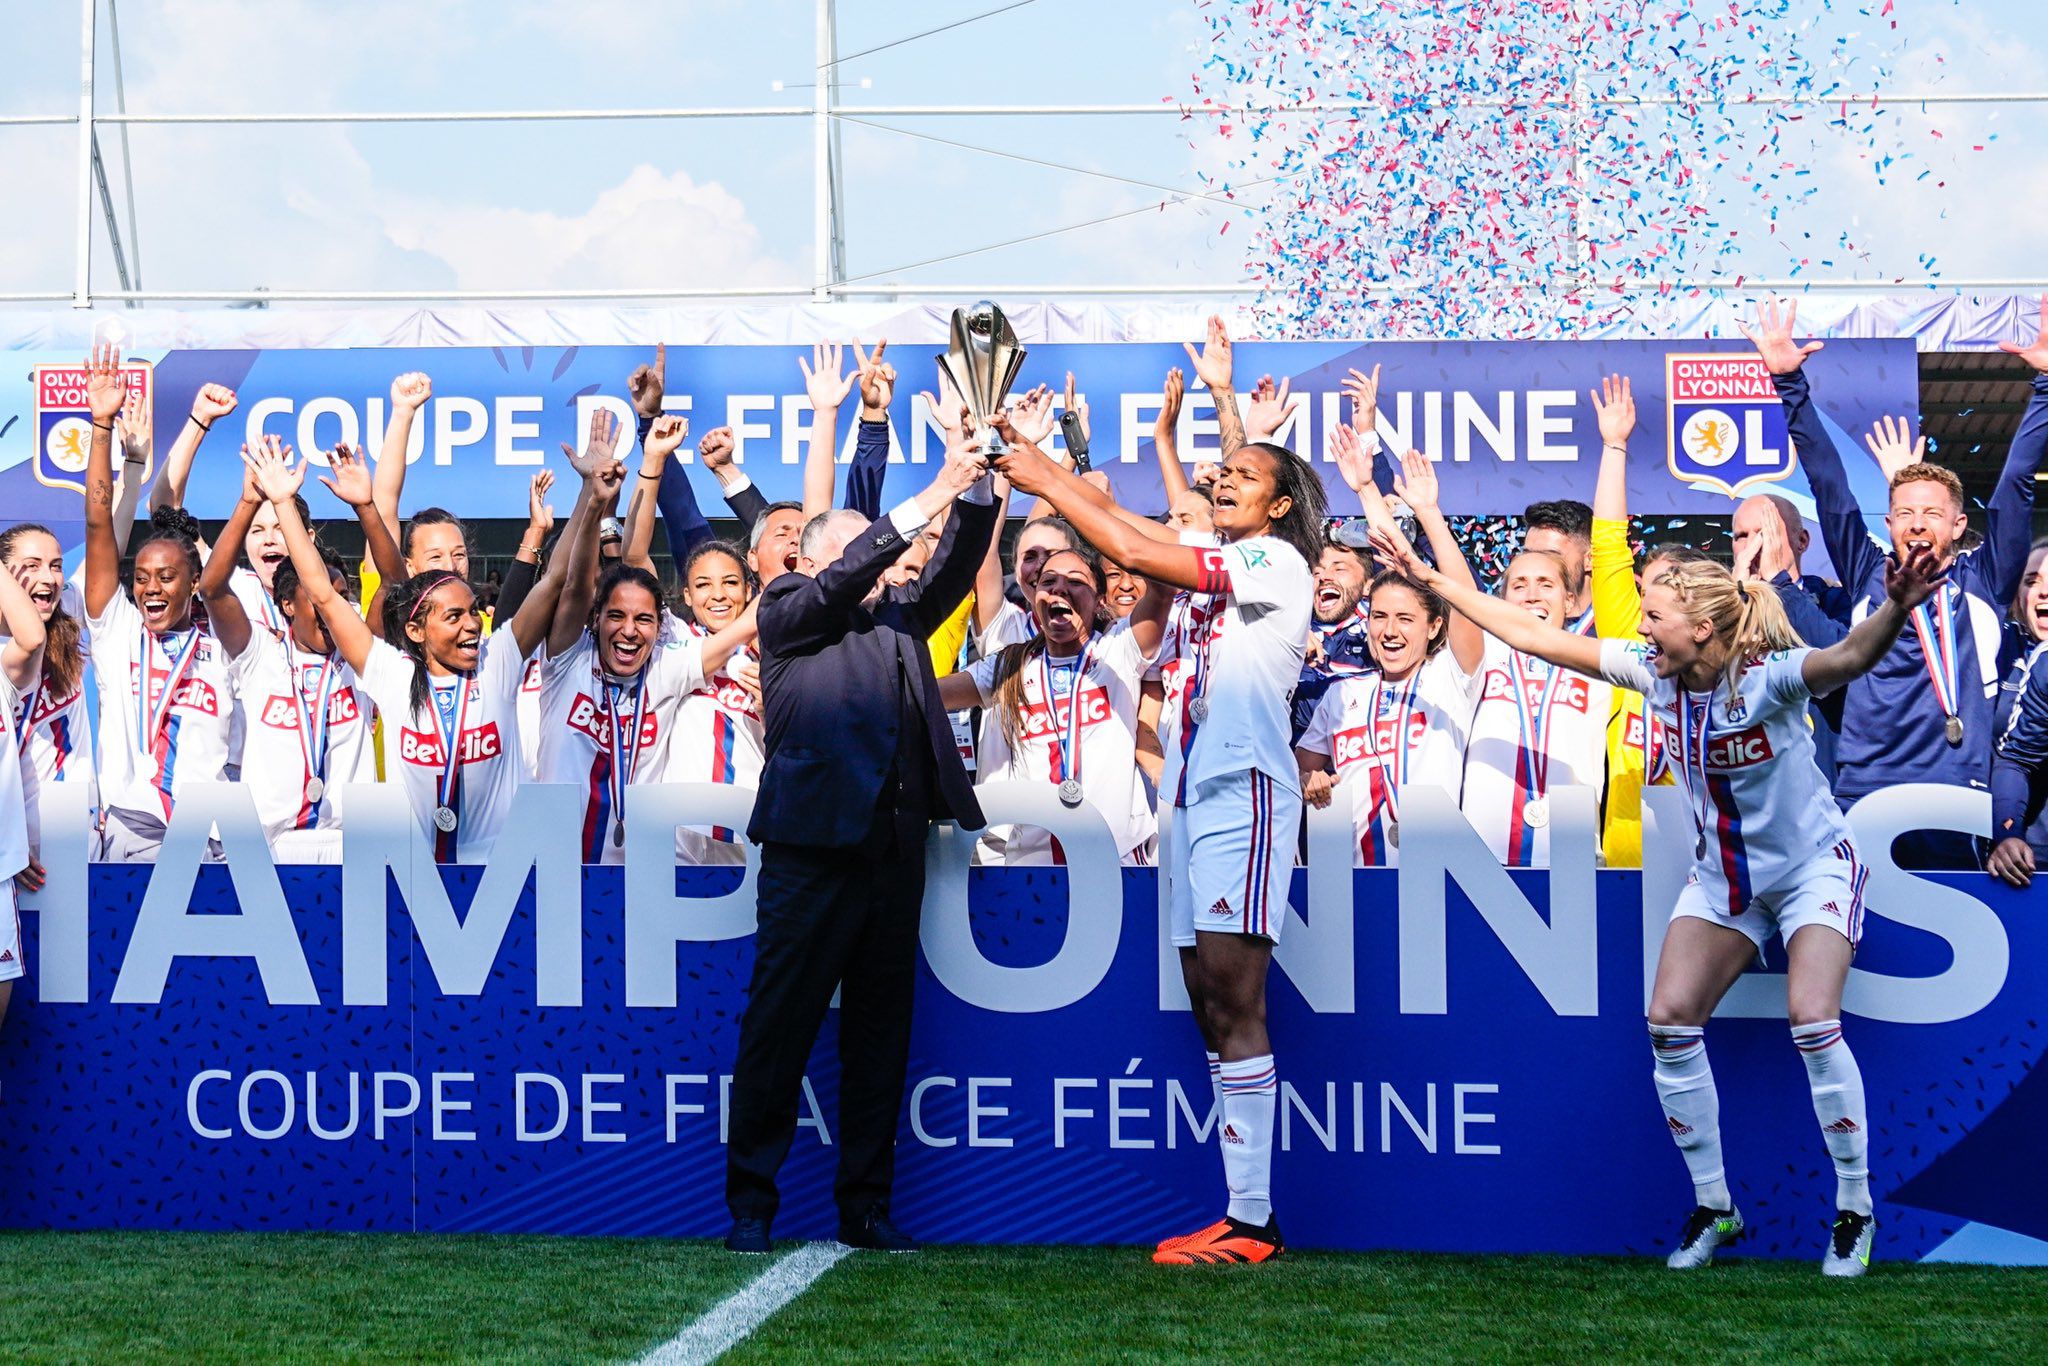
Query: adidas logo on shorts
{"points": [[1222, 907], [1832, 909]]}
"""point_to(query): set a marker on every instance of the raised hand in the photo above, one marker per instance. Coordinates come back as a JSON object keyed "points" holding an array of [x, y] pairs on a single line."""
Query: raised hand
{"points": [[277, 475], [1205, 472], [1364, 392], [715, 450], [106, 386], [1912, 581], [1267, 410], [646, 385], [825, 379], [1071, 403], [1415, 484], [1892, 446], [540, 513], [1614, 404], [1353, 456], [1032, 415], [349, 476], [1212, 363], [1395, 551], [597, 446], [410, 391], [212, 403], [1028, 468], [747, 674], [965, 464], [877, 380], [1169, 403], [134, 430], [665, 437], [1772, 337], [2034, 353]]}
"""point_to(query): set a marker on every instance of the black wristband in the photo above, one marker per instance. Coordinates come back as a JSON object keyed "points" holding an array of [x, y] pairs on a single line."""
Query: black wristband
{"points": [[655, 477], [202, 426], [107, 427]]}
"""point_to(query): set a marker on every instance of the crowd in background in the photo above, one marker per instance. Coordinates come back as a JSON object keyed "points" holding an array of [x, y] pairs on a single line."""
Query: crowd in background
{"points": [[161, 657]]}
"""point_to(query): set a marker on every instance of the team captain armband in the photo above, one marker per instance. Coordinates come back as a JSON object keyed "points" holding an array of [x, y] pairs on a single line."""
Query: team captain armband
{"points": [[1211, 574]]}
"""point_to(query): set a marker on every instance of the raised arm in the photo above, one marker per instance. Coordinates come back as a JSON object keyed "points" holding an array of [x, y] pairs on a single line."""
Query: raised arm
{"points": [[2009, 513], [106, 389], [870, 465], [576, 583], [1617, 602], [1212, 367], [1165, 441], [409, 393], [1906, 586], [1856, 557], [133, 429], [721, 645], [535, 619], [1032, 471], [21, 657], [212, 403], [1512, 625], [657, 446], [216, 580], [1417, 487], [827, 383], [348, 478], [279, 481], [1614, 406]]}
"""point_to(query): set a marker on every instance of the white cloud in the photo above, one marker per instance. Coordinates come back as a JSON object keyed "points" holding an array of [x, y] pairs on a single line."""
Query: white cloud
{"points": [[654, 229]]}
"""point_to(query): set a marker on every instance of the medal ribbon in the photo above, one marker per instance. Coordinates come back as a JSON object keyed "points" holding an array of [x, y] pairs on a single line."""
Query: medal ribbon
{"points": [[24, 719], [313, 733], [1394, 774], [1692, 752], [1534, 726], [1066, 729], [153, 713], [621, 774], [1934, 621], [451, 757]]}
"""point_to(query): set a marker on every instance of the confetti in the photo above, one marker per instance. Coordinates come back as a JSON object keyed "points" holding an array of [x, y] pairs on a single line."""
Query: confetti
{"points": [[1441, 202]]}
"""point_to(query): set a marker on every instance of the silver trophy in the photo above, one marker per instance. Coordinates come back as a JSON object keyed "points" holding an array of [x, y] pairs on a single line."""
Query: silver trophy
{"points": [[980, 362]]}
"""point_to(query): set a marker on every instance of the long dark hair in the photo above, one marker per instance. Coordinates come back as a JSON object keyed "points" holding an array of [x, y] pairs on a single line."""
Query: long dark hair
{"points": [[402, 603], [63, 660], [285, 583], [619, 572], [725, 548], [1294, 477], [1008, 682], [1432, 606], [432, 517]]}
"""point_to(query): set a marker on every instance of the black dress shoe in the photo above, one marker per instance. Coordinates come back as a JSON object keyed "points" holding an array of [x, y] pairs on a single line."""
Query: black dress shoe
{"points": [[748, 1235], [876, 1233]]}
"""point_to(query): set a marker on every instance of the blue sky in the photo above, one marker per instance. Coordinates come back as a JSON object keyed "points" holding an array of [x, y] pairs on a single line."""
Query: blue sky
{"points": [[718, 203]]}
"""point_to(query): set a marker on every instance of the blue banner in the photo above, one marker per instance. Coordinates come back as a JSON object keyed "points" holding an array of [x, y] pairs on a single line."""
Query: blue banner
{"points": [[1508, 422], [1469, 1071]]}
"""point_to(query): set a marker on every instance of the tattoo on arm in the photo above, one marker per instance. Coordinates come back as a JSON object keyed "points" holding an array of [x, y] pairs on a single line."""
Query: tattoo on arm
{"points": [[1229, 422]]}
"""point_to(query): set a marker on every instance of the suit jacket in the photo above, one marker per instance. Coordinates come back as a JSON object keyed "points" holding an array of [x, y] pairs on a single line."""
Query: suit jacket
{"points": [[835, 677]]}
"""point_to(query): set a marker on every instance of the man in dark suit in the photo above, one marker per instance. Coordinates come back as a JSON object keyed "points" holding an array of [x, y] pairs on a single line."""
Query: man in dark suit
{"points": [[861, 760]]}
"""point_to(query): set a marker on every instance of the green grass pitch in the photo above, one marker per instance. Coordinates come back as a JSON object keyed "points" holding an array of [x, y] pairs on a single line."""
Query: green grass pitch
{"points": [[317, 1297]]}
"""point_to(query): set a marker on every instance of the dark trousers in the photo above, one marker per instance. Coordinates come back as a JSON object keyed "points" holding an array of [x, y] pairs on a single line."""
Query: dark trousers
{"points": [[828, 918]]}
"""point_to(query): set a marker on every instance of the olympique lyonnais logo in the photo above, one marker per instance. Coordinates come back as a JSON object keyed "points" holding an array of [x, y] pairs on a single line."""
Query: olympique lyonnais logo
{"points": [[1740, 750], [279, 712], [1726, 426], [477, 745], [64, 422]]}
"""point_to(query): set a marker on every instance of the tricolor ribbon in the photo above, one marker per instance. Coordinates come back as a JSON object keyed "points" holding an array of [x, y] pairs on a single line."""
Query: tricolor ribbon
{"points": [[1392, 774], [451, 740], [621, 774], [1692, 753], [24, 719], [1934, 621], [1066, 728], [153, 712], [1534, 724], [314, 725]]}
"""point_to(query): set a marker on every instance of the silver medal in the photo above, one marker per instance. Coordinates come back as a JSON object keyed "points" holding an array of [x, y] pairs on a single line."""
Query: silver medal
{"points": [[1198, 710], [1536, 813], [444, 819], [1393, 834], [1954, 730], [618, 834], [315, 789], [1070, 792]]}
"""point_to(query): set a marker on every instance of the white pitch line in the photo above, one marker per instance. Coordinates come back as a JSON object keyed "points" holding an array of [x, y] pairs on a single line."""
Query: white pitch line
{"points": [[736, 1316]]}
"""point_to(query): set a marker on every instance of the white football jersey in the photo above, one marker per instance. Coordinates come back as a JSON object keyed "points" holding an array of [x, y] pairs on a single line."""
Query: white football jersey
{"points": [[1011, 625], [1761, 806], [59, 726], [1243, 668], [578, 706], [1107, 725], [13, 789], [1517, 755], [256, 601], [283, 747], [531, 683], [173, 732], [483, 709], [1382, 736], [717, 738]]}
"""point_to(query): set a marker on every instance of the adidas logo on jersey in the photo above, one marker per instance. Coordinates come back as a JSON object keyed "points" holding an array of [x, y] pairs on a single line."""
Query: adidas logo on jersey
{"points": [[1844, 1125]]}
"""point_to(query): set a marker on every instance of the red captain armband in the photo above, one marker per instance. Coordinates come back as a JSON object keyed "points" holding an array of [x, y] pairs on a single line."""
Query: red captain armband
{"points": [[1212, 575]]}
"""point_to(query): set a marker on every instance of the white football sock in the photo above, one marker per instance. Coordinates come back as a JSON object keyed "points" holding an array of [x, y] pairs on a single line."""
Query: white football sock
{"points": [[1250, 1089], [1692, 1108], [1837, 1085], [1216, 1086]]}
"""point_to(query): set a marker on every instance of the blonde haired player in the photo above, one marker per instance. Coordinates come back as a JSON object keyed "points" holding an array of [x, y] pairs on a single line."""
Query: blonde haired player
{"points": [[1722, 668]]}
